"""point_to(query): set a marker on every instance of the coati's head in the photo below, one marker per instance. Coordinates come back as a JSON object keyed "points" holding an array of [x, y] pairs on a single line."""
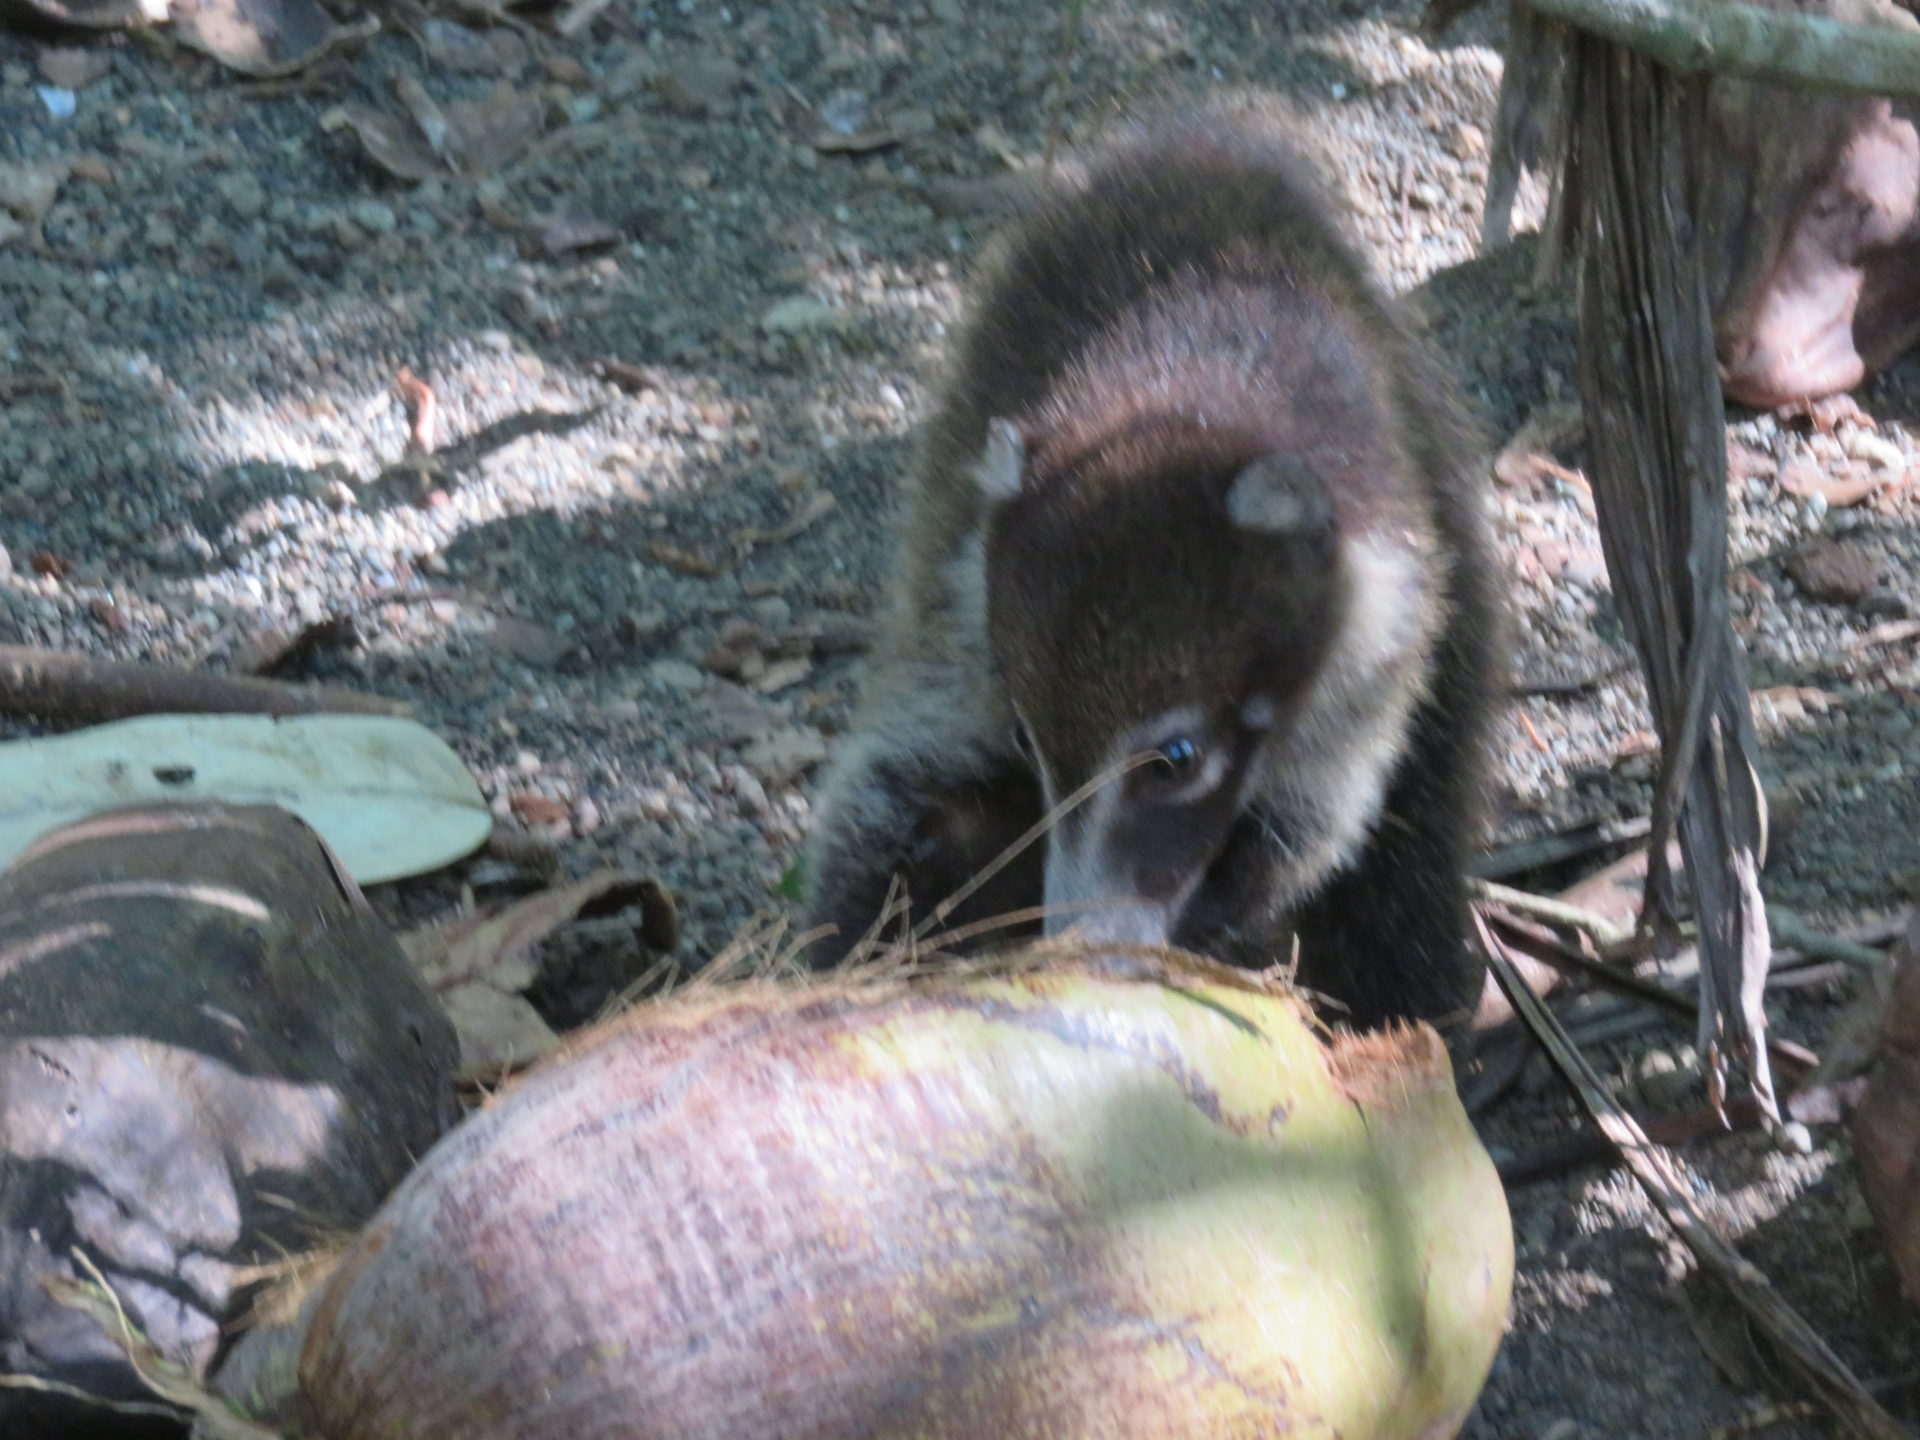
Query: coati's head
{"points": [[1181, 608]]}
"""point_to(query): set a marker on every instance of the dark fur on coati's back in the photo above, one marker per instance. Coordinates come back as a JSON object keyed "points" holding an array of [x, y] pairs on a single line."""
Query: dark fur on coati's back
{"points": [[1196, 493]]}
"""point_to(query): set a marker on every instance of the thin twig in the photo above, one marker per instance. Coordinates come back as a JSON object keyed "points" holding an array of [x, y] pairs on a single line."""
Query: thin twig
{"points": [[74, 1392], [55, 685], [1027, 837], [1604, 931]]}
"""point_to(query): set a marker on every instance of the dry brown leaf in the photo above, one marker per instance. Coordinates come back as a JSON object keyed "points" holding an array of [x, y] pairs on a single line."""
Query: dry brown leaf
{"points": [[275, 651], [417, 396], [263, 38], [816, 506], [426, 112], [530, 807], [499, 949], [497, 1031], [682, 562], [485, 135], [473, 52], [392, 143], [1807, 478]]}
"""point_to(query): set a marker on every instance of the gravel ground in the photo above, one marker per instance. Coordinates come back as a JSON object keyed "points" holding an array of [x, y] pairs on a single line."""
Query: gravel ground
{"points": [[633, 583]]}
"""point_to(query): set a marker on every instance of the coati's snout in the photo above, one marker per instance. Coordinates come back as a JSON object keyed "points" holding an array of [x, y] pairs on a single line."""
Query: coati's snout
{"points": [[1158, 640], [1125, 860]]}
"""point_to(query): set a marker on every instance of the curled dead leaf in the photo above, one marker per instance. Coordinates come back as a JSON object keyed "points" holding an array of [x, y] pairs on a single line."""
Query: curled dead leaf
{"points": [[263, 38], [392, 143]]}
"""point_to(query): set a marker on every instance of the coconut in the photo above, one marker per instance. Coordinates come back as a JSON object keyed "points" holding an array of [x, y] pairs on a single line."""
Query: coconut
{"points": [[1131, 1200]]}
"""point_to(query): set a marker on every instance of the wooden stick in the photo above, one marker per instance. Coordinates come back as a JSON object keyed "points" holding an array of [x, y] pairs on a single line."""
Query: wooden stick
{"points": [[55, 685], [1669, 1184]]}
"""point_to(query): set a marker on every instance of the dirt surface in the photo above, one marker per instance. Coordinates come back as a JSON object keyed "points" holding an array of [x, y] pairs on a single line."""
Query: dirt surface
{"points": [[632, 582]]}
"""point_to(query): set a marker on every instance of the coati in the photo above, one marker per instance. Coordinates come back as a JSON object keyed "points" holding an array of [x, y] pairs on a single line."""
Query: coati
{"points": [[1198, 525]]}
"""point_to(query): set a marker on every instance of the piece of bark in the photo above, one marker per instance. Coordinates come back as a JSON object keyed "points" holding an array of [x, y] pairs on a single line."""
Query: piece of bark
{"points": [[1656, 425], [212, 1054], [1886, 1125], [54, 685]]}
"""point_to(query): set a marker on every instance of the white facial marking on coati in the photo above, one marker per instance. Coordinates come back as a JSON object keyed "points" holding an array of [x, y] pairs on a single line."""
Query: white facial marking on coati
{"points": [[1198, 532]]}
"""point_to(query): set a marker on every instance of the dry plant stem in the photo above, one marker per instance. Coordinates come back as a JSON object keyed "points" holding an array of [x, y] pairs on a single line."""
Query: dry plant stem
{"points": [[52, 685], [1656, 422], [1793, 933], [1557, 912], [1668, 1184], [1721, 37], [74, 1392], [1029, 836], [1545, 945]]}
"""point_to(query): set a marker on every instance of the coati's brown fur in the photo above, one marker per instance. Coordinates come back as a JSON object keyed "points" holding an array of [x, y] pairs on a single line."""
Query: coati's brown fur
{"points": [[1195, 493]]}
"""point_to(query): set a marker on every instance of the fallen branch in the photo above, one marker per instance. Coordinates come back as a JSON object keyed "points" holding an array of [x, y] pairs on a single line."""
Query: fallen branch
{"points": [[1668, 1184], [1557, 848], [55, 685], [1543, 944], [1692, 37]]}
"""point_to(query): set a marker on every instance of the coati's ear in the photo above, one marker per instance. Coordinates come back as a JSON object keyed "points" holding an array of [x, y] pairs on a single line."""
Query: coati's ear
{"points": [[1280, 495], [998, 468]]}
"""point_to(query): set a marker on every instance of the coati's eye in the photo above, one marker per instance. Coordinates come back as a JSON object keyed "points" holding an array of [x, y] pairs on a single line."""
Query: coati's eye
{"points": [[1176, 760]]}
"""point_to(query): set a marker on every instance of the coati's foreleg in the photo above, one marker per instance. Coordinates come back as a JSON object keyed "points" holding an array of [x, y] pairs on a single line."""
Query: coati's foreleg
{"points": [[1386, 935], [927, 799]]}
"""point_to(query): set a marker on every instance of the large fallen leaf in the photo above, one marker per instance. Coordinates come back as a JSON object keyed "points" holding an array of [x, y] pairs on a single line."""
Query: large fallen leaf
{"points": [[386, 794]]}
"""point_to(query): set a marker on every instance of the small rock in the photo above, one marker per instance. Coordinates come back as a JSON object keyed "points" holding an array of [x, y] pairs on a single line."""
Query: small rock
{"points": [[529, 643], [374, 217], [28, 191], [677, 674], [244, 194], [1881, 602], [74, 69], [1836, 572], [1795, 1138], [1865, 445], [530, 807], [785, 753], [698, 85], [797, 313], [586, 816], [1466, 141]]}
